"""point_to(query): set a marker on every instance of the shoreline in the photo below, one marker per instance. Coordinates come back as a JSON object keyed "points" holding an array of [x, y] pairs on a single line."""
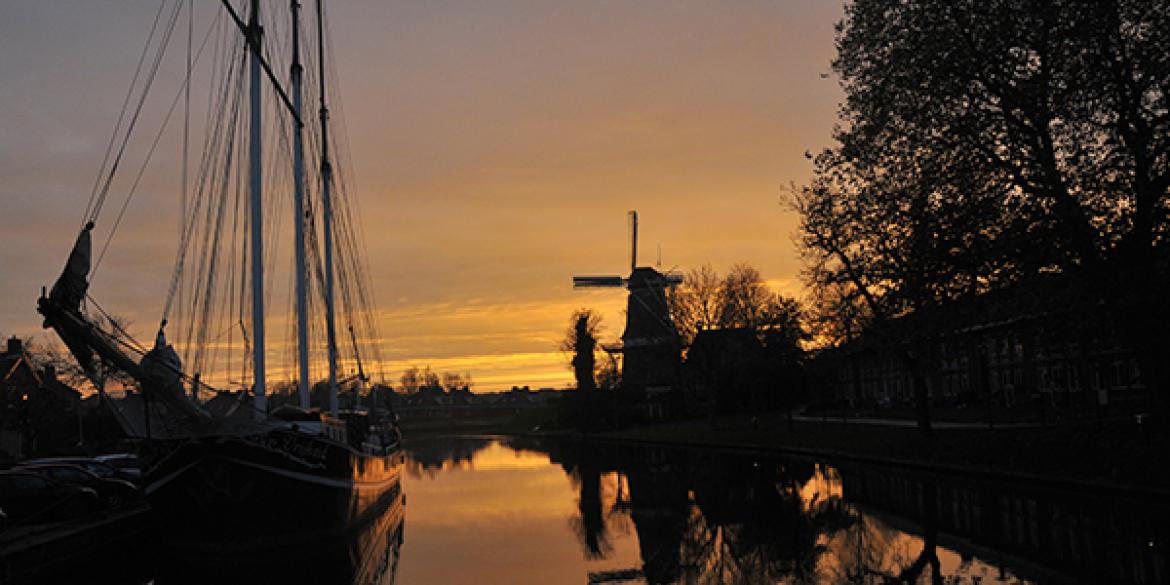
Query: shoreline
{"points": [[1022, 456]]}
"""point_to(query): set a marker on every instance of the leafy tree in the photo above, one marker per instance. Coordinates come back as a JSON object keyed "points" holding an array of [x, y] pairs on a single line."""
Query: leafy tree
{"points": [[581, 342], [984, 142]]}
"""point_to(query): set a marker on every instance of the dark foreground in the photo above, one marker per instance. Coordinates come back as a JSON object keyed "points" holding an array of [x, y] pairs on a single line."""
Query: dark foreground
{"points": [[122, 547]]}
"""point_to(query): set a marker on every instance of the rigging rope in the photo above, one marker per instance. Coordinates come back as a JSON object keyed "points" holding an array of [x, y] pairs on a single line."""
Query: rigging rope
{"points": [[207, 293], [183, 182], [121, 116], [100, 201], [185, 226]]}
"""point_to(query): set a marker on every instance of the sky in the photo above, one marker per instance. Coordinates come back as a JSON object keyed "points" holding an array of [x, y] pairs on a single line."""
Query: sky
{"points": [[496, 148]]}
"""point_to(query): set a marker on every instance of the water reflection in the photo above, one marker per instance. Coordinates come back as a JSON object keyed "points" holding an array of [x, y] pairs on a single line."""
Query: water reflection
{"points": [[656, 515]]}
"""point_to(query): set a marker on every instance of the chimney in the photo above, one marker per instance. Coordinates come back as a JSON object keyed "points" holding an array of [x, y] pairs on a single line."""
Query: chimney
{"points": [[14, 345]]}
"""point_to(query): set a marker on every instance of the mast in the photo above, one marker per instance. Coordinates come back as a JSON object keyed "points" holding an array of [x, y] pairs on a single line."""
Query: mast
{"points": [[299, 209], [327, 214], [633, 241], [255, 170]]}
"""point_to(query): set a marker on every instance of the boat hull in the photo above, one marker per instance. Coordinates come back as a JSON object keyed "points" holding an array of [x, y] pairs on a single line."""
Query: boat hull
{"points": [[225, 494]]}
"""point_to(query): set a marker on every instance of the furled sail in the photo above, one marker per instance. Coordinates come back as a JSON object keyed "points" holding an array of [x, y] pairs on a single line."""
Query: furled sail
{"points": [[159, 372], [70, 288], [67, 294]]}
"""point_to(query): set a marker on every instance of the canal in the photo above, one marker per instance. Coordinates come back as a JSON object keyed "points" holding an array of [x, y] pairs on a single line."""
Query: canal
{"points": [[526, 511], [514, 510]]}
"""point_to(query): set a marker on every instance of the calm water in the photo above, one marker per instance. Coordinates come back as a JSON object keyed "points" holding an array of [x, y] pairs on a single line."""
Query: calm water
{"points": [[513, 511], [487, 511]]}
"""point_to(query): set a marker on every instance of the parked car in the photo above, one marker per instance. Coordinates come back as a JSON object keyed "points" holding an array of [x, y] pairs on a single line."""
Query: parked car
{"points": [[98, 468], [126, 463], [28, 497], [112, 491]]}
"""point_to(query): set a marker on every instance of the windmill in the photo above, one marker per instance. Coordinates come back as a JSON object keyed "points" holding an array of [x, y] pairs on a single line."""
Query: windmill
{"points": [[650, 343], [669, 279]]}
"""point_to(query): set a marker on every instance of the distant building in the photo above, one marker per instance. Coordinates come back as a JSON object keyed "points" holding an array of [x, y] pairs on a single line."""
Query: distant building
{"points": [[38, 412]]}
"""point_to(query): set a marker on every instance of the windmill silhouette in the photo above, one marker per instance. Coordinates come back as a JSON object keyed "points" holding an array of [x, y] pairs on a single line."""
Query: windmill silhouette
{"points": [[650, 344]]}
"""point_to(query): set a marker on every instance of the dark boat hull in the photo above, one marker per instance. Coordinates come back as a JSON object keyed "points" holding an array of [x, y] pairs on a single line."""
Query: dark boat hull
{"points": [[233, 494]]}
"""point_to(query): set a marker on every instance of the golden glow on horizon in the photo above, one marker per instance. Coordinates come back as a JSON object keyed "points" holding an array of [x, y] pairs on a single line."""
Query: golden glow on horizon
{"points": [[495, 151]]}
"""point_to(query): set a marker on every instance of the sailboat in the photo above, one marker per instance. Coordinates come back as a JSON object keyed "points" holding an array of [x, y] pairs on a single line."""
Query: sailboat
{"points": [[279, 477]]}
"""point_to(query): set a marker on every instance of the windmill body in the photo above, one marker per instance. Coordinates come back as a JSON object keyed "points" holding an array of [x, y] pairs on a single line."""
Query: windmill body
{"points": [[650, 343]]}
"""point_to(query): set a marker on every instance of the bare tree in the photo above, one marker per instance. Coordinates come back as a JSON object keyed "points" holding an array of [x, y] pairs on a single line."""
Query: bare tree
{"points": [[429, 379], [743, 298], [410, 380], [694, 304], [452, 381], [609, 373]]}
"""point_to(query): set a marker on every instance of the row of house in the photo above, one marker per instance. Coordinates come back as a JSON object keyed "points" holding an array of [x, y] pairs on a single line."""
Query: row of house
{"points": [[1010, 348]]}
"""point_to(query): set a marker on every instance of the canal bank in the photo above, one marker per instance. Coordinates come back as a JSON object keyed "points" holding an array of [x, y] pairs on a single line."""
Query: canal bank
{"points": [[1108, 455], [1114, 454]]}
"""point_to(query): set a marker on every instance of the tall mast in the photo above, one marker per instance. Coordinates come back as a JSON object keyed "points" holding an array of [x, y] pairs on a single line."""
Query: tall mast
{"points": [[255, 170], [327, 213], [633, 241], [296, 71]]}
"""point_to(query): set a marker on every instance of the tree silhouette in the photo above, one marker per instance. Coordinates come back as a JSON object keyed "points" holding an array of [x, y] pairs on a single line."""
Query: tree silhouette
{"points": [[985, 142], [581, 342]]}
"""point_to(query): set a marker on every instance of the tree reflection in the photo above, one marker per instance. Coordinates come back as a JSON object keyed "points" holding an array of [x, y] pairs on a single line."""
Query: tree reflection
{"points": [[752, 524], [589, 523], [427, 458]]}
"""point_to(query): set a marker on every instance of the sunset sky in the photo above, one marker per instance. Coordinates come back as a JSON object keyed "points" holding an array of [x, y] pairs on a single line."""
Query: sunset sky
{"points": [[496, 149]]}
